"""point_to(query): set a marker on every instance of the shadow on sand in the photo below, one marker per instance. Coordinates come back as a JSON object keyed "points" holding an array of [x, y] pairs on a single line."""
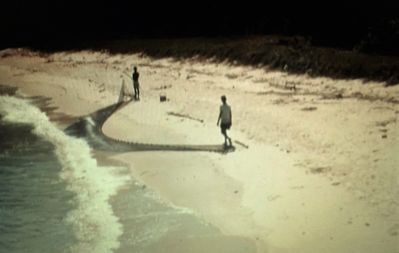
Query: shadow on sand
{"points": [[90, 128]]}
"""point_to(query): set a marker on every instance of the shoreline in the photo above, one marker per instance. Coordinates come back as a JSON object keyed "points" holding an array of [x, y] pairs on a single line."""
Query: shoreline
{"points": [[316, 169], [191, 233]]}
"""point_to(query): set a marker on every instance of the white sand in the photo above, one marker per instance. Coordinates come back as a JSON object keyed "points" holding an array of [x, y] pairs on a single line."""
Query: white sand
{"points": [[320, 173]]}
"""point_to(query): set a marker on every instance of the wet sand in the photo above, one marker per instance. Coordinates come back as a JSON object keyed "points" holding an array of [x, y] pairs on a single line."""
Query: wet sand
{"points": [[320, 173]]}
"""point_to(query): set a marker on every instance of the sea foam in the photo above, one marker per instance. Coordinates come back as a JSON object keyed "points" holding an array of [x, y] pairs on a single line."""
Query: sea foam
{"points": [[95, 225]]}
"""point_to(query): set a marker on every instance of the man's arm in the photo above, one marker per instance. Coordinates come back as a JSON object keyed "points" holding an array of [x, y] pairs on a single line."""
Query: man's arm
{"points": [[220, 116]]}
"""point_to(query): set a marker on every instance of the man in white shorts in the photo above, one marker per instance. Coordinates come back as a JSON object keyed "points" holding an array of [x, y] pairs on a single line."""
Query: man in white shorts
{"points": [[225, 120]]}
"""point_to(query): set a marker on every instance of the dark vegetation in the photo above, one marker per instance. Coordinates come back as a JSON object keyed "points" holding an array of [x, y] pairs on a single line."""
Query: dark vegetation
{"points": [[343, 41], [293, 54]]}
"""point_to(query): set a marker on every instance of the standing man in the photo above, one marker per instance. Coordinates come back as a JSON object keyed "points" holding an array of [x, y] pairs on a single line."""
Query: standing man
{"points": [[136, 85], [226, 120]]}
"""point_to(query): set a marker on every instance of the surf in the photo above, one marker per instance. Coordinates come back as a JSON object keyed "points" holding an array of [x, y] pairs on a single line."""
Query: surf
{"points": [[94, 224]]}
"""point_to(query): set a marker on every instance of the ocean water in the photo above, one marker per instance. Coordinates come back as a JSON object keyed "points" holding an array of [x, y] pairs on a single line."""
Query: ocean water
{"points": [[55, 197], [53, 194], [34, 201]]}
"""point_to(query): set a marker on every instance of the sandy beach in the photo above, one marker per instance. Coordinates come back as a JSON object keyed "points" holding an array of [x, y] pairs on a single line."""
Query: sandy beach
{"points": [[315, 166]]}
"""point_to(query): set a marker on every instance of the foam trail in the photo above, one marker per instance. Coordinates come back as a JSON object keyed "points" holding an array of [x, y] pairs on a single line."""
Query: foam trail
{"points": [[95, 225]]}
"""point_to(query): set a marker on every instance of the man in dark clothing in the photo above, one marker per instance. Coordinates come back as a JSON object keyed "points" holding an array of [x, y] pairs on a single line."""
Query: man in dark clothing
{"points": [[136, 85]]}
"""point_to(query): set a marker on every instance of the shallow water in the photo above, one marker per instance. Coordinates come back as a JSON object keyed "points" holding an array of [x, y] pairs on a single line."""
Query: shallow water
{"points": [[154, 226], [55, 197], [47, 173], [34, 200]]}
